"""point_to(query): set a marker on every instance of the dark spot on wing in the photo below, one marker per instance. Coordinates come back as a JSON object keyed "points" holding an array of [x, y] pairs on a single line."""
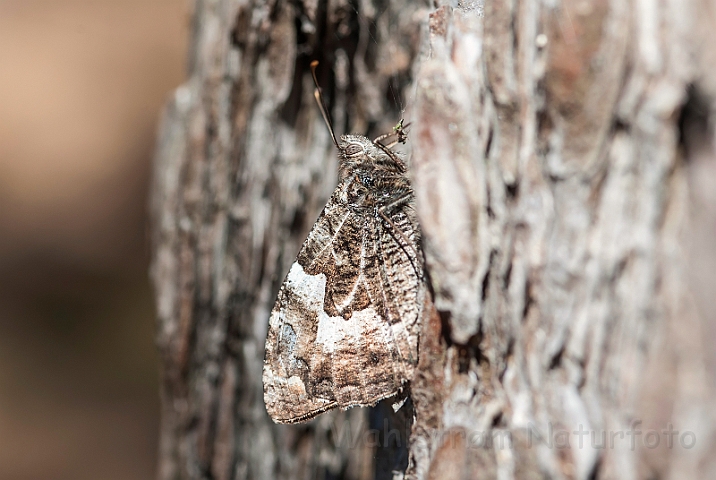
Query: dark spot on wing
{"points": [[374, 360]]}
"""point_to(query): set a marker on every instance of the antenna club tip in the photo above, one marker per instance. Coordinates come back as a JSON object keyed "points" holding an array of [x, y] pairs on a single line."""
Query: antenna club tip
{"points": [[314, 64]]}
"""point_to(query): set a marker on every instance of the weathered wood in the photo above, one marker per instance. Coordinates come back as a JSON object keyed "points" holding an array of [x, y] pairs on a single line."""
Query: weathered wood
{"points": [[566, 201]]}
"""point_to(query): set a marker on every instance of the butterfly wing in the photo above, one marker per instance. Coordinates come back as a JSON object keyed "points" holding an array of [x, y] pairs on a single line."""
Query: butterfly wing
{"points": [[343, 331]]}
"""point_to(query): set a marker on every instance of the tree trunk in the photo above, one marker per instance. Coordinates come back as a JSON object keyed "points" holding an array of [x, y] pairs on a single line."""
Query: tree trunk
{"points": [[562, 156]]}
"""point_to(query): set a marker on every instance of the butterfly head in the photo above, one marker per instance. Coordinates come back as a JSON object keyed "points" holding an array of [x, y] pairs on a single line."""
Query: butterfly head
{"points": [[357, 151]]}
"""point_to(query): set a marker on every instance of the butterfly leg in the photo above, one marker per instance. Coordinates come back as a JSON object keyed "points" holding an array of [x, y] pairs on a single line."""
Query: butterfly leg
{"points": [[398, 131]]}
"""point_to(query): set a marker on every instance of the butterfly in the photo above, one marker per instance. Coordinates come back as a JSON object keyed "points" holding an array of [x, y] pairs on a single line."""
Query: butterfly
{"points": [[345, 326]]}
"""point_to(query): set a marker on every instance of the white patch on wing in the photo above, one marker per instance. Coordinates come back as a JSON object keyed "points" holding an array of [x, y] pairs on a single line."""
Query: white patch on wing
{"points": [[364, 317], [311, 290], [333, 330]]}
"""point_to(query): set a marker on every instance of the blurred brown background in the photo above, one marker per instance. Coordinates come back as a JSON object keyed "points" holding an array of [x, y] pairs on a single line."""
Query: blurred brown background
{"points": [[82, 83]]}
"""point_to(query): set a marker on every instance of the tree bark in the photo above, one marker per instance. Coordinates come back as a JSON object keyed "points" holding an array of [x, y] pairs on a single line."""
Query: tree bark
{"points": [[562, 155]]}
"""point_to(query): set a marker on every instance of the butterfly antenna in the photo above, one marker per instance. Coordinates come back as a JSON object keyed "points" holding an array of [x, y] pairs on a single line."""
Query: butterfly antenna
{"points": [[318, 94]]}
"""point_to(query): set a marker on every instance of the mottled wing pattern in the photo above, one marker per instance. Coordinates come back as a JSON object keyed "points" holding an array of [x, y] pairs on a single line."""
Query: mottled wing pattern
{"points": [[344, 329]]}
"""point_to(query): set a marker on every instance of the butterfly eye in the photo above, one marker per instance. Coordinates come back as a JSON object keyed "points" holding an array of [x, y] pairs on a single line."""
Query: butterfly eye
{"points": [[367, 181], [352, 150]]}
